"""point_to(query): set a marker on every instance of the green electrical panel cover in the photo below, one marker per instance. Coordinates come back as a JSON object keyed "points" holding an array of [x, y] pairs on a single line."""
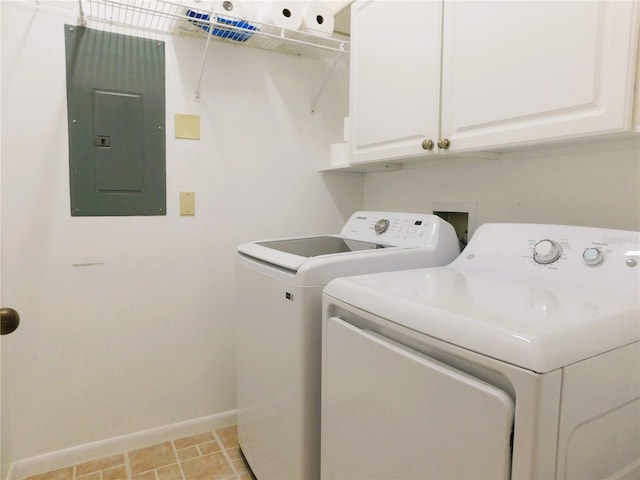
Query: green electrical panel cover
{"points": [[116, 116]]}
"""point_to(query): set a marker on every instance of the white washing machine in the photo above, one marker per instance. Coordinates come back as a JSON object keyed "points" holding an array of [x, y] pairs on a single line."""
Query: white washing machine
{"points": [[521, 359], [279, 323]]}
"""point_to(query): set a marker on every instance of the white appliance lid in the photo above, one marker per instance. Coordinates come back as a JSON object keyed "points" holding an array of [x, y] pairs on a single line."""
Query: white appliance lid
{"points": [[315, 246], [363, 232], [539, 317]]}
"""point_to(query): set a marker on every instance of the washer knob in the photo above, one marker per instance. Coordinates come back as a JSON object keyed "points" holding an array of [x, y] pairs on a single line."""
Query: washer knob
{"points": [[381, 226], [546, 251], [592, 256]]}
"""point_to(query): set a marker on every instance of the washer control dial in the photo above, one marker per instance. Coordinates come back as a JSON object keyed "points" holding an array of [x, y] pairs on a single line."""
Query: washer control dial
{"points": [[546, 251], [381, 226], [592, 256]]}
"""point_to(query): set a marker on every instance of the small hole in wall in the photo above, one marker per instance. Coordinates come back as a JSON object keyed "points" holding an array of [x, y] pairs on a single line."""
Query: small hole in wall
{"points": [[460, 223]]}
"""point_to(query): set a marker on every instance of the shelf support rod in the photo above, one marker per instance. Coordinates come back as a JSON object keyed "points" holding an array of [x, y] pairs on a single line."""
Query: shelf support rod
{"points": [[314, 104], [204, 61], [82, 20]]}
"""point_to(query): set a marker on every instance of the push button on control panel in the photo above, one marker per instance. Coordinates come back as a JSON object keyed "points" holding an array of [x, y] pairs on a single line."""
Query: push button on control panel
{"points": [[592, 256]]}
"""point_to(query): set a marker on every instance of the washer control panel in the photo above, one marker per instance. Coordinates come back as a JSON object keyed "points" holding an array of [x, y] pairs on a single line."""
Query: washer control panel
{"points": [[398, 229], [548, 252], [570, 249], [592, 253]]}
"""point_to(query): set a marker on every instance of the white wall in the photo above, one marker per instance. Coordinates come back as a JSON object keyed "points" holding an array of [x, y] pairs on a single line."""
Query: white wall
{"points": [[145, 336], [594, 185]]}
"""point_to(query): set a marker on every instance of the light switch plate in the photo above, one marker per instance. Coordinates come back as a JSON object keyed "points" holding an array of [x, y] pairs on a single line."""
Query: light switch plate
{"points": [[187, 203], [187, 126]]}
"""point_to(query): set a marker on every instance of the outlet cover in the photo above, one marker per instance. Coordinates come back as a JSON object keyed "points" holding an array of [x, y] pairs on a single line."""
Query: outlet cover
{"points": [[187, 203], [187, 126]]}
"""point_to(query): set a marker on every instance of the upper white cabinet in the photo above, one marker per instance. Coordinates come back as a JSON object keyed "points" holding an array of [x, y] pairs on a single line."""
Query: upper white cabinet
{"points": [[524, 72], [484, 75], [394, 79]]}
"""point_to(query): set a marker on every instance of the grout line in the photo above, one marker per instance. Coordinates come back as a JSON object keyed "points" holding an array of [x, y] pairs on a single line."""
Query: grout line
{"points": [[179, 462], [223, 449], [127, 466]]}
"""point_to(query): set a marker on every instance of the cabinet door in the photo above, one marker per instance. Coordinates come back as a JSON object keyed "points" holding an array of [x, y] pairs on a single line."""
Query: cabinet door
{"points": [[525, 72], [395, 77]]}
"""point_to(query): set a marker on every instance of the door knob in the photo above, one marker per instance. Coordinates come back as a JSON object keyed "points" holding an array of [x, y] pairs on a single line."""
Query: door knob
{"points": [[9, 320]]}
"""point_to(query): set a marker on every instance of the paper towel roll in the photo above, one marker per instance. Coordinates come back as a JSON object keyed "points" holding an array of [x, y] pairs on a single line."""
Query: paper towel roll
{"points": [[318, 18], [283, 14], [230, 8]]}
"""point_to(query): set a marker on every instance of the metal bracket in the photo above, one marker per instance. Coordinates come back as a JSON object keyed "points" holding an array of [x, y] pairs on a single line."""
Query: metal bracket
{"points": [[314, 104]]}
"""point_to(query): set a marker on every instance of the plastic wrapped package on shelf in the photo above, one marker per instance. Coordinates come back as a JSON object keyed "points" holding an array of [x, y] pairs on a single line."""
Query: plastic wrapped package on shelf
{"points": [[233, 29]]}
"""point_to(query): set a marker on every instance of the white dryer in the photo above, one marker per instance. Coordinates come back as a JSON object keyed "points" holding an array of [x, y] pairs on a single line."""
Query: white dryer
{"points": [[279, 323], [521, 359]]}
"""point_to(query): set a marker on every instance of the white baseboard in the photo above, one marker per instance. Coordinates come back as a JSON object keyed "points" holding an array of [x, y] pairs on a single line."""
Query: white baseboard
{"points": [[110, 446]]}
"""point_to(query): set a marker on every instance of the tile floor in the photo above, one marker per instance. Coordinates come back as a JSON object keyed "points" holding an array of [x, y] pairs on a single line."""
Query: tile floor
{"points": [[213, 455]]}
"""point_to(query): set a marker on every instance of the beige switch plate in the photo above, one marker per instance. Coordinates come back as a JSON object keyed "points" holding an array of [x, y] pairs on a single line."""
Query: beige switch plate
{"points": [[187, 126], [187, 203]]}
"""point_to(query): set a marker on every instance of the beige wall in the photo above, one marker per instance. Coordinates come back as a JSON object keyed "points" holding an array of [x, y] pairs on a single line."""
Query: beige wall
{"points": [[594, 185]]}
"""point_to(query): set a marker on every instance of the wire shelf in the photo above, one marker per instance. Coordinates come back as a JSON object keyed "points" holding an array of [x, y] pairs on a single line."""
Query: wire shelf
{"points": [[173, 18], [170, 17]]}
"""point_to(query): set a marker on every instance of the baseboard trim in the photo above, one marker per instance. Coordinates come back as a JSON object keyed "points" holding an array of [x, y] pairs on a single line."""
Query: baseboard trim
{"points": [[110, 446]]}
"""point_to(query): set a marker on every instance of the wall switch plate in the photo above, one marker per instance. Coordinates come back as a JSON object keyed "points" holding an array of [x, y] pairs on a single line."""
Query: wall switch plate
{"points": [[187, 126], [187, 203]]}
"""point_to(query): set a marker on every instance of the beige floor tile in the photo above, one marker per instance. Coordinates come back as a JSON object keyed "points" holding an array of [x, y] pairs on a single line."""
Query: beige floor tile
{"points": [[208, 467], [61, 474], [209, 447], [150, 458], [91, 476], [172, 472], [188, 453], [194, 440], [146, 476], [228, 436], [115, 473], [99, 464], [234, 453], [240, 466]]}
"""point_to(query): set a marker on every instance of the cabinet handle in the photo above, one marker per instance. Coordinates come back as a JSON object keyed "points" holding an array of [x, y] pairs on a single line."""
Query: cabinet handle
{"points": [[444, 143], [427, 144]]}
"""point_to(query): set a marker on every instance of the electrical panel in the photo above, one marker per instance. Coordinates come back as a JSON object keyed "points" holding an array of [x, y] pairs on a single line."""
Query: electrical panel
{"points": [[116, 117]]}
